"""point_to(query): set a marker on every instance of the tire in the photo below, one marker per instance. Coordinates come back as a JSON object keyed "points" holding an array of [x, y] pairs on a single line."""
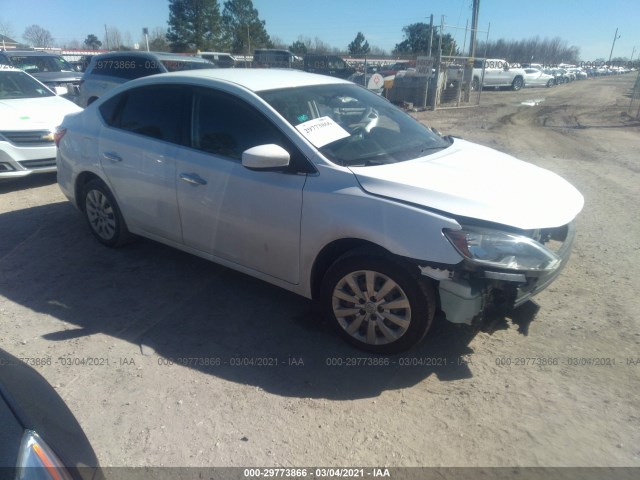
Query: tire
{"points": [[475, 84], [103, 214], [363, 317], [550, 83], [517, 84]]}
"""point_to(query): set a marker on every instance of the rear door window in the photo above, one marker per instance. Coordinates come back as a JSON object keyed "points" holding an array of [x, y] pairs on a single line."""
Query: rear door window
{"points": [[156, 111]]}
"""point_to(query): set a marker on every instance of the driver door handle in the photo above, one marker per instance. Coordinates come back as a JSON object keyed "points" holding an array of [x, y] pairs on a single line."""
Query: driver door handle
{"points": [[112, 156], [193, 179]]}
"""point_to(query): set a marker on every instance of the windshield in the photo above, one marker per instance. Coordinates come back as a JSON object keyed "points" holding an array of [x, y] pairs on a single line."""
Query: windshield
{"points": [[20, 85], [352, 126], [45, 63]]}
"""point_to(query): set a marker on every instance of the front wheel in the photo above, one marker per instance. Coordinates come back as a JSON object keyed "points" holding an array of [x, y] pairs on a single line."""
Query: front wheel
{"points": [[517, 84], [550, 83], [378, 303]]}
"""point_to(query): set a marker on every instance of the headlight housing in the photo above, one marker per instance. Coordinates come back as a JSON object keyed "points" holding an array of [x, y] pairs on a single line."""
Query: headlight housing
{"points": [[499, 249], [37, 461]]}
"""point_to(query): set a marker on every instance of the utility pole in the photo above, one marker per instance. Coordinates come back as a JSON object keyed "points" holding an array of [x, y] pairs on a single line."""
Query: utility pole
{"points": [[615, 37], [468, 74], [430, 42], [106, 36]]}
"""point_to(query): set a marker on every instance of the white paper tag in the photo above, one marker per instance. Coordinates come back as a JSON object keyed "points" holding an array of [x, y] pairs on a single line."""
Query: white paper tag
{"points": [[322, 131]]}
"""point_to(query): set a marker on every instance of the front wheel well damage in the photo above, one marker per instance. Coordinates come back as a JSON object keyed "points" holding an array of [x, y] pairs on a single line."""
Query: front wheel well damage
{"points": [[332, 252]]}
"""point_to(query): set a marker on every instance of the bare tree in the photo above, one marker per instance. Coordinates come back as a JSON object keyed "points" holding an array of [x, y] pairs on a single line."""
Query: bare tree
{"points": [[278, 42], [37, 36], [112, 38], [5, 28], [533, 50], [320, 46], [157, 40], [378, 51], [74, 45]]}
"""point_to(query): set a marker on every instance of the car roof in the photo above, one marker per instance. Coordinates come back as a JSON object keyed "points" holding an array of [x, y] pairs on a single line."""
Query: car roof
{"points": [[158, 55], [29, 53], [256, 80]]}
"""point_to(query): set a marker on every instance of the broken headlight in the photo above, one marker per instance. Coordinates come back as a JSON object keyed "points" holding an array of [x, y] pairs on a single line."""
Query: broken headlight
{"points": [[499, 249]]}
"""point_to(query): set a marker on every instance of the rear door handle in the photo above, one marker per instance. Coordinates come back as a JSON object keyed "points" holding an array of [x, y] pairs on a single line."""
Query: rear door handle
{"points": [[193, 179], [114, 157]]}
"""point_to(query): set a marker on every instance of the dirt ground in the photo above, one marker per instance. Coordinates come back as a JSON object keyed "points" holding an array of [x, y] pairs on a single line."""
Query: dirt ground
{"points": [[151, 347]]}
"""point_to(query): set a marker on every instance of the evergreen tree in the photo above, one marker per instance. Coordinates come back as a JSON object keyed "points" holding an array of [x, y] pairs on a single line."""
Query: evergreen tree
{"points": [[92, 42], [298, 47], [194, 25], [243, 29], [417, 41], [357, 47]]}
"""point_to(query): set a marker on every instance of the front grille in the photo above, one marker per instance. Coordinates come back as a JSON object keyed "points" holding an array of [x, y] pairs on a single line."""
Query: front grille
{"points": [[73, 88], [33, 164], [29, 137]]}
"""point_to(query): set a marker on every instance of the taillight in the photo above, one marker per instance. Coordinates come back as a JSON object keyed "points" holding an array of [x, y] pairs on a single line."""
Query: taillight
{"points": [[59, 133]]}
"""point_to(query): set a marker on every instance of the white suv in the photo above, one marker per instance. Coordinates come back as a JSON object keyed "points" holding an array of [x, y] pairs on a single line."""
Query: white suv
{"points": [[108, 70], [497, 73]]}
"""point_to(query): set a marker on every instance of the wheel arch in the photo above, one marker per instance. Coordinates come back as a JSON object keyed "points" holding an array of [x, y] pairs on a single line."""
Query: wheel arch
{"points": [[81, 180], [334, 250]]}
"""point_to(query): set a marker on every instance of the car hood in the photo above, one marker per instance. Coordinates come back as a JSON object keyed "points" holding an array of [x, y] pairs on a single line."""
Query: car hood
{"points": [[470, 180], [34, 113], [46, 77]]}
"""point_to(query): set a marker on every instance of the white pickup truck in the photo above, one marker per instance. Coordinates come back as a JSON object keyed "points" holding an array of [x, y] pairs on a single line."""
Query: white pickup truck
{"points": [[497, 73]]}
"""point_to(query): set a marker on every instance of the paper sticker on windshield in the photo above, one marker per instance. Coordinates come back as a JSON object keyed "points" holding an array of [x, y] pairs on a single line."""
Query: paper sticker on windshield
{"points": [[322, 131]]}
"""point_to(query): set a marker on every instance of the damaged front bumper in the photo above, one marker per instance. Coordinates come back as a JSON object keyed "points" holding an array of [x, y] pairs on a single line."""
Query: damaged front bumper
{"points": [[470, 288]]}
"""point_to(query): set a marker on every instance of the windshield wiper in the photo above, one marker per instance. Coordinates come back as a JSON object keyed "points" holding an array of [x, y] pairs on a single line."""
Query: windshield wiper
{"points": [[429, 149]]}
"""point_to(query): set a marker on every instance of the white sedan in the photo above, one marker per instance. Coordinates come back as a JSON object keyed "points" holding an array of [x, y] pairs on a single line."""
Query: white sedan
{"points": [[536, 78], [29, 114], [321, 187]]}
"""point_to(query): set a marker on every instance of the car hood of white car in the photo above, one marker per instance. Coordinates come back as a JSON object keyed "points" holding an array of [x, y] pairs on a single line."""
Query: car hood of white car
{"points": [[470, 180], [34, 113]]}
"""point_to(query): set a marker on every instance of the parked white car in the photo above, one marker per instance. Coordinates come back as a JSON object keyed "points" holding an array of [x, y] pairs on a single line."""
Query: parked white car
{"points": [[319, 186], [29, 114], [536, 78], [497, 73]]}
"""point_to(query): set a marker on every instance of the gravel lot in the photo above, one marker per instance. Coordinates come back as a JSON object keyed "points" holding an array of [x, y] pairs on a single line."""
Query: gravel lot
{"points": [[149, 345]]}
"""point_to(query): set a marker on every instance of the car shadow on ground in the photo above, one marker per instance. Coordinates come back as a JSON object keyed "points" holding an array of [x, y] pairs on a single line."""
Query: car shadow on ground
{"points": [[24, 183], [177, 306]]}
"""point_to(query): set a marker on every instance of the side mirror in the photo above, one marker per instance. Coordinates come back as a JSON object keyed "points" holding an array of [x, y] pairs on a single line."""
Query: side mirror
{"points": [[60, 90], [263, 157]]}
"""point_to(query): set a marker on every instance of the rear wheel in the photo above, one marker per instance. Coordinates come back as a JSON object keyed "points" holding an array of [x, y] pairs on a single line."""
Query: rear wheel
{"points": [[103, 214], [378, 303], [475, 84], [550, 83]]}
